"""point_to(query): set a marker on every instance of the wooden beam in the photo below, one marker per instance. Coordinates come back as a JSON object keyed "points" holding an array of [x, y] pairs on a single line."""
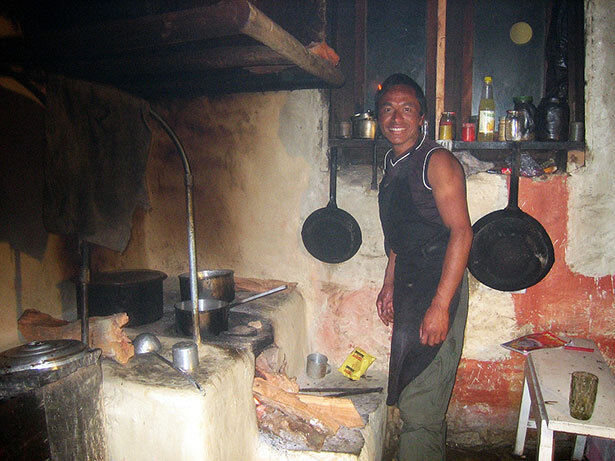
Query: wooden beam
{"points": [[576, 61], [263, 29], [459, 54], [360, 39], [454, 55], [467, 63], [431, 28], [342, 105], [222, 19]]}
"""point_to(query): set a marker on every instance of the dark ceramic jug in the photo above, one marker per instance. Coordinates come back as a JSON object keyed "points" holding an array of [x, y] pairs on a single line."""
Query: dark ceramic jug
{"points": [[552, 120]]}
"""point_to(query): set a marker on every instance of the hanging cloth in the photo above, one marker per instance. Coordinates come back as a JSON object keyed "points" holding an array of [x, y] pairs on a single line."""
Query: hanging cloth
{"points": [[94, 165]]}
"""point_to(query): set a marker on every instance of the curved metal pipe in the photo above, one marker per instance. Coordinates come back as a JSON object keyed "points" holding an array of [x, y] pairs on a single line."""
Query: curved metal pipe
{"points": [[190, 222]]}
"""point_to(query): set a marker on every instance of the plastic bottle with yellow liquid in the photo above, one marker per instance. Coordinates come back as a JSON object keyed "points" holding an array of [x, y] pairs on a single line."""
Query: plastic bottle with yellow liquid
{"points": [[486, 112]]}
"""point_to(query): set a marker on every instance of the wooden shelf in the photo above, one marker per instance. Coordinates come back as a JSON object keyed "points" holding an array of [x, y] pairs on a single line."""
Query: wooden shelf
{"points": [[361, 151], [523, 145], [229, 46]]}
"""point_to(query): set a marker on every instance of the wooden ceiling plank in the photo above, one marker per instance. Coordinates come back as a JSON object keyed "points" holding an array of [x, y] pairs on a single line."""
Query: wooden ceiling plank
{"points": [[200, 60], [221, 19]]}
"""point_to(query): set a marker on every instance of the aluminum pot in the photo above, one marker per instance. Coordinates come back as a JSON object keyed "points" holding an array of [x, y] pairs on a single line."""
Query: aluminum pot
{"points": [[213, 317], [217, 284], [213, 313]]}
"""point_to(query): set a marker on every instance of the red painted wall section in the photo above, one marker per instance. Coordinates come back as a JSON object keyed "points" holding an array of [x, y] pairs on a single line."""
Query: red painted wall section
{"points": [[488, 393], [565, 302]]}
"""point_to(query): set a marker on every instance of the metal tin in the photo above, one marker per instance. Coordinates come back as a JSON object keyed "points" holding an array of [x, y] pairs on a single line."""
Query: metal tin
{"points": [[502, 129]]}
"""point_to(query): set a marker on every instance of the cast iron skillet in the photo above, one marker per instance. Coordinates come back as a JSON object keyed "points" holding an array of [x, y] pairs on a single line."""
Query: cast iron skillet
{"points": [[331, 234], [511, 250]]}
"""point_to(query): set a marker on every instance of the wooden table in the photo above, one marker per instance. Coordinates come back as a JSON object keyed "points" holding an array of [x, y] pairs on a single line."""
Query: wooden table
{"points": [[546, 388]]}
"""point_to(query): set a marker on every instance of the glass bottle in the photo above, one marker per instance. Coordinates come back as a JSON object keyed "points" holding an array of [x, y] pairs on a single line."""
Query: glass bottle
{"points": [[525, 104], [514, 125], [486, 112]]}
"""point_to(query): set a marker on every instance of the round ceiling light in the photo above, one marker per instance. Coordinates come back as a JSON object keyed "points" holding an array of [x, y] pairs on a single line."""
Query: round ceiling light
{"points": [[521, 33]]}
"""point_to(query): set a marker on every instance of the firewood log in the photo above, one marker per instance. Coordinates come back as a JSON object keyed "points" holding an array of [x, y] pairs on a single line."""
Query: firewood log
{"points": [[259, 285], [105, 332]]}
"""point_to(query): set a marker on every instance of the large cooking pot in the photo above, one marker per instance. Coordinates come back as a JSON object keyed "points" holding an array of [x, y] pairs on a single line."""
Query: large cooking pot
{"points": [[138, 292], [511, 250], [331, 234], [213, 314], [218, 284], [51, 395]]}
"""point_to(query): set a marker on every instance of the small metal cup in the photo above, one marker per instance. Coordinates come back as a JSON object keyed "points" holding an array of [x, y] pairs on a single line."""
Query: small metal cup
{"points": [[577, 131], [344, 129], [186, 356], [317, 365], [583, 390]]}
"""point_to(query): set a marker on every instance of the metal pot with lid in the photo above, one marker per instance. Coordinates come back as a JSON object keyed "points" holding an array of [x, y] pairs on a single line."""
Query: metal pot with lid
{"points": [[53, 390]]}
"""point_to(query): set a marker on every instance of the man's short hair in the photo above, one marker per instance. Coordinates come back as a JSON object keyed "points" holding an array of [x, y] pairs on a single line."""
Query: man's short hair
{"points": [[402, 79]]}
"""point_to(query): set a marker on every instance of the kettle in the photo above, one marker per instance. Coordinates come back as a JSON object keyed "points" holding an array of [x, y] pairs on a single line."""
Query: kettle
{"points": [[364, 125]]}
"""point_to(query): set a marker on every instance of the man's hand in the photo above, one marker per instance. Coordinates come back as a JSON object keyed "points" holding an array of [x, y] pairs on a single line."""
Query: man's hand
{"points": [[384, 303], [434, 326]]}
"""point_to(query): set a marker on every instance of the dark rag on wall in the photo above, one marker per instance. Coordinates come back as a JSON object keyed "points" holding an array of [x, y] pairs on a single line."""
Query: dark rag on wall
{"points": [[97, 148]]}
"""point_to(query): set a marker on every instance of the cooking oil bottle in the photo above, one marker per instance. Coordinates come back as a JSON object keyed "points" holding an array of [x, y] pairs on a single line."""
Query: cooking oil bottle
{"points": [[486, 112]]}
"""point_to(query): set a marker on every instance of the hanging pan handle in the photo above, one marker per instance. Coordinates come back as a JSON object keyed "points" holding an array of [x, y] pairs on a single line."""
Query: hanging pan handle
{"points": [[332, 177], [513, 196]]}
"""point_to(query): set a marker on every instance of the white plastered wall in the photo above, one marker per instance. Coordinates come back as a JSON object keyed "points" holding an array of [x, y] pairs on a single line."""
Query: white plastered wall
{"points": [[591, 230]]}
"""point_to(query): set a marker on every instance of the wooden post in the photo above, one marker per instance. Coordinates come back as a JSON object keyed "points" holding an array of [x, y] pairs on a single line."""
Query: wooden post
{"points": [[440, 63], [431, 27]]}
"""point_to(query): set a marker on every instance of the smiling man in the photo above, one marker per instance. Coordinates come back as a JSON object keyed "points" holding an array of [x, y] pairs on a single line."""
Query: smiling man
{"points": [[427, 233]]}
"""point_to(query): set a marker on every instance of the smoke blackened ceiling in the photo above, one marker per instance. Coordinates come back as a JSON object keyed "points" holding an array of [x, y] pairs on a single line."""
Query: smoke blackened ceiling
{"points": [[174, 48]]}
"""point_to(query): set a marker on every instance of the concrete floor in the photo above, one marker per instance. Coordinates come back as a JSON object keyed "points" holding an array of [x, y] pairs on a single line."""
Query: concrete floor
{"points": [[501, 454], [563, 451]]}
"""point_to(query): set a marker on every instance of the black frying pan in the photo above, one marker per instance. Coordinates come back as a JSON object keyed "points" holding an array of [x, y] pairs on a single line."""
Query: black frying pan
{"points": [[511, 250], [330, 234]]}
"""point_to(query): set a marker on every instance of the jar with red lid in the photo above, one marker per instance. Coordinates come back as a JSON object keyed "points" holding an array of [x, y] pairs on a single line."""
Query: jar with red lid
{"points": [[468, 132]]}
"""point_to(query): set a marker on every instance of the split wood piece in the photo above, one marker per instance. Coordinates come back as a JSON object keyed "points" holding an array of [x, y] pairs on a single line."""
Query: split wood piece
{"points": [[342, 410], [334, 410], [290, 428], [281, 381], [105, 332], [290, 403], [260, 285]]}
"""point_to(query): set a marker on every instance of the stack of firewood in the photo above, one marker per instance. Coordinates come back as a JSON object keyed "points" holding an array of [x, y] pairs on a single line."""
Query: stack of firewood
{"points": [[305, 420]]}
